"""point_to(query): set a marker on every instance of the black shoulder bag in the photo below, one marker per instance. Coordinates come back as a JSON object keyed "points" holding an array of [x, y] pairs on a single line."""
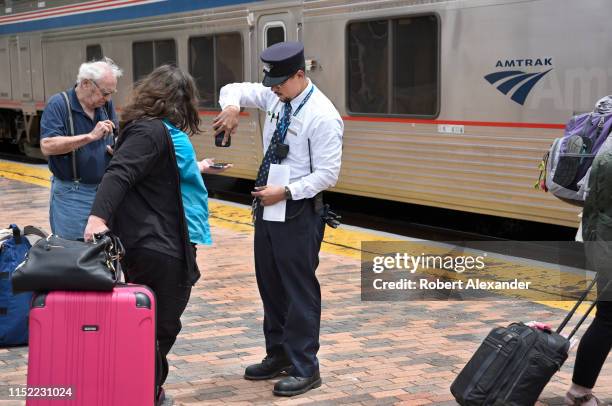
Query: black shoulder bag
{"points": [[54, 263]]}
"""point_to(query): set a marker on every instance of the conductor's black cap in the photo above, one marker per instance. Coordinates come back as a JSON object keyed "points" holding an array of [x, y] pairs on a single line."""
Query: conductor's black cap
{"points": [[282, 60]]}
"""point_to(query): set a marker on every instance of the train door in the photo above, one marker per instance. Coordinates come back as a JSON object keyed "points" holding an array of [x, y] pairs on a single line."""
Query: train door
{"points": [[275, 26], [13, 50], [36, 76], [5, 70], [26, 123], [22, 73]]}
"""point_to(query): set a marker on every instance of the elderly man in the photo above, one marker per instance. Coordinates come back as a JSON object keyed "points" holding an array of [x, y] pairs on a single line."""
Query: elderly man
{"points": [[76, 134]]}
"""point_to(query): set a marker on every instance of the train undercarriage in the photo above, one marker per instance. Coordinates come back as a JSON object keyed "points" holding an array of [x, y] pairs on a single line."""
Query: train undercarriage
{"points": [[22, 130]]}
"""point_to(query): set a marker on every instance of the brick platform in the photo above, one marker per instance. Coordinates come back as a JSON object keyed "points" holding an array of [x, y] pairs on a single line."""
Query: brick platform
{"points": [[372, 353]]}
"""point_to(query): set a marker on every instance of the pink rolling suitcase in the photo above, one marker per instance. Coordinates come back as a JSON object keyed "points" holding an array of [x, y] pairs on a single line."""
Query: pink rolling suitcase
{"points": [[92, 348]]}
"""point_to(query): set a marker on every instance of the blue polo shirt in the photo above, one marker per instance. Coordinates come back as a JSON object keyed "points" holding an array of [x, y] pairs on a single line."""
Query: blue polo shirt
{"points": [[92, 158]]}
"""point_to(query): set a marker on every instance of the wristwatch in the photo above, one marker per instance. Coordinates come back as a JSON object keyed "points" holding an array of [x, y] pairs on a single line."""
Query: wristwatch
{"points": [[287, 193]]}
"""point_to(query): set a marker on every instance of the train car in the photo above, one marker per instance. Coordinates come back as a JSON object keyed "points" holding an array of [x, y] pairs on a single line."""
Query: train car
{"points": [[446, 103]]}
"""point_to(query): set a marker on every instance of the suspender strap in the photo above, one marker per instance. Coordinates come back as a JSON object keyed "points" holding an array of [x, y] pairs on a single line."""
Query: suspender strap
{"points": [[107, 111], [71, 125]]}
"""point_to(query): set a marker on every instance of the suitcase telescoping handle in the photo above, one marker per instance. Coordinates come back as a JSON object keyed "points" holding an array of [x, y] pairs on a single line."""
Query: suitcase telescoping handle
{"points": [[578, 303]]}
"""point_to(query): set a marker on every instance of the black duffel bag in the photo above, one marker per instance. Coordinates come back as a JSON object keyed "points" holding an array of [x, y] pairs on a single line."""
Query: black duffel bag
{"points": [[54, 263]]}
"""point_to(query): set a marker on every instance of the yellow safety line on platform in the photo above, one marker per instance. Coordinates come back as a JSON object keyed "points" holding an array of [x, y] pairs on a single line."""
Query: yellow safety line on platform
{"points": [[24, 173], [339, 241]]}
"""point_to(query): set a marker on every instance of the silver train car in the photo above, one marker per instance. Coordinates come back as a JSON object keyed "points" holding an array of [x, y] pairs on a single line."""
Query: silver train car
{"points": [[446, 103]]}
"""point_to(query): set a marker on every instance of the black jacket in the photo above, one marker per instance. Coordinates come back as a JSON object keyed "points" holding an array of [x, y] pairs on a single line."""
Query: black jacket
{"points": [[140, 196]]}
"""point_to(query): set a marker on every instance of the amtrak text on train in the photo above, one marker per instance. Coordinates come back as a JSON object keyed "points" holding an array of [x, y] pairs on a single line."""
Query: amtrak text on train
{"points": [[511, 63]]}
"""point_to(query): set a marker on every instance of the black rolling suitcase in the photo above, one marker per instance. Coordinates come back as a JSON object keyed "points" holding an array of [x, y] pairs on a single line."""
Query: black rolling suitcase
{"points": [[513, 364]]}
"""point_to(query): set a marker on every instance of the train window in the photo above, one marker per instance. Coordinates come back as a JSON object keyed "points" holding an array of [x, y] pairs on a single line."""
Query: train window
{"points": [[202, 68], [228, 60], [215, 61], [148, 55], [415, 66], [93, 53], [368, 73], [165, 53], [142, 55], [393, 66], [274, 33]]}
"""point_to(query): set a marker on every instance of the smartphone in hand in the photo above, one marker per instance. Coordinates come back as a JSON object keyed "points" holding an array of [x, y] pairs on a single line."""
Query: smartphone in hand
{"points": [[219, 140], [219, 165]]}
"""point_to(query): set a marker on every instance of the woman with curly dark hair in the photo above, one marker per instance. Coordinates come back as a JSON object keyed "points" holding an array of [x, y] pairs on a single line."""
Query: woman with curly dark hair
{"points": [[153, 198]]}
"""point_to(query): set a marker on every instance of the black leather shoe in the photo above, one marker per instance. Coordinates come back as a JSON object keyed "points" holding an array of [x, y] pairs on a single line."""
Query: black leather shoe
{"points": [[296, 385], [270, 367]]}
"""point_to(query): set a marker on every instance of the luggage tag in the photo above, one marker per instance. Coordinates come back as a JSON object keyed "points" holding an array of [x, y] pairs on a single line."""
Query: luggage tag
{"points": [[540, 326]]}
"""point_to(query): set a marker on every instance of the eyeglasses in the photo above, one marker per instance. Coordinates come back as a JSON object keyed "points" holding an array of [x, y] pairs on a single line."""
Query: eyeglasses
{"points": [[285, 81], [105, 93]]}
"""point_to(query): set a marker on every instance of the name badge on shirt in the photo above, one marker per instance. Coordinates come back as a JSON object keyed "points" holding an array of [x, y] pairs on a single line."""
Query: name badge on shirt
{"points": [[295, 127]]}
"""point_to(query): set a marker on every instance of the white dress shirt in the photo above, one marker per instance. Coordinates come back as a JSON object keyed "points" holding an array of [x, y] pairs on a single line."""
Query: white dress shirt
{"points": [[317, 121]]}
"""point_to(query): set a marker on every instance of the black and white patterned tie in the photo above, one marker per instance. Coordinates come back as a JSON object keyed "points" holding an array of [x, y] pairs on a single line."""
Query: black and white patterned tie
{"points": [[270, 156]]}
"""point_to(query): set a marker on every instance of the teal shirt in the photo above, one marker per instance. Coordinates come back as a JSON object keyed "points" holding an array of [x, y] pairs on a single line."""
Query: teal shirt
{"points": [[193, 191]]}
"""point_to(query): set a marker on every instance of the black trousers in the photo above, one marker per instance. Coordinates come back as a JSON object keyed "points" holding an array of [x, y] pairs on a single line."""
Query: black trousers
{"points": [[286, 258], [163, 274], [596, 342]]}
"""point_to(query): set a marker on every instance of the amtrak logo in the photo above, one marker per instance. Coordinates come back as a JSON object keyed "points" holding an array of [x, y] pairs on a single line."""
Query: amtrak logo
{"points": [[516, 83]]}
